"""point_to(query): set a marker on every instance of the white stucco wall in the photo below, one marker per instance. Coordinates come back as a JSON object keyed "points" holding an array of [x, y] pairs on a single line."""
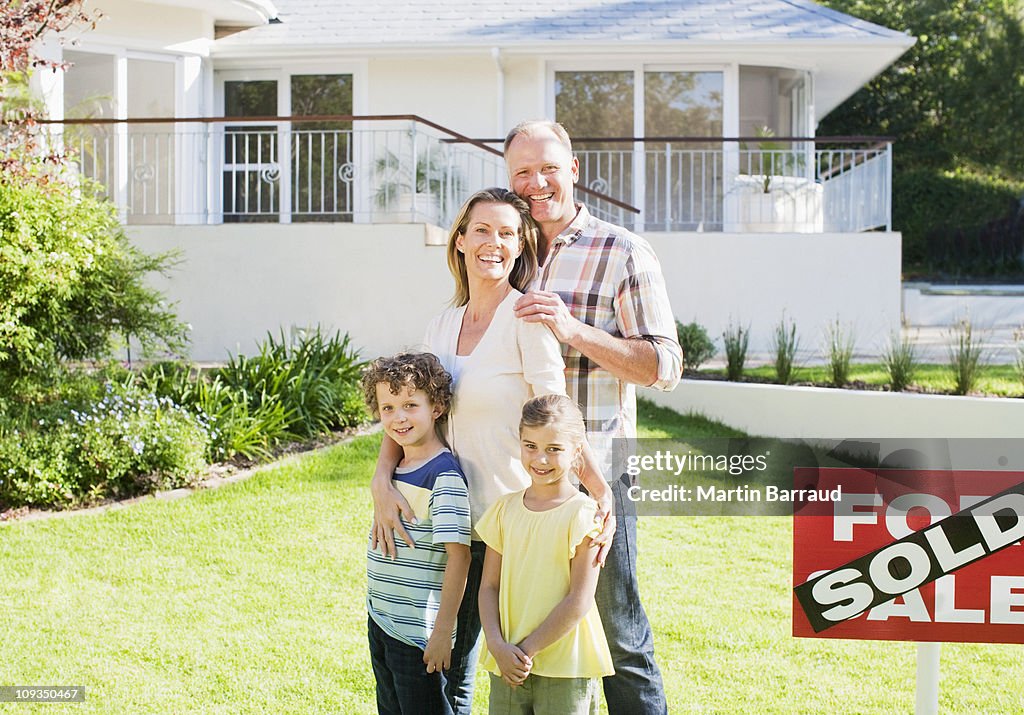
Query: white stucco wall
{"points": [[751, 279], [381, 283], [402, 85]]}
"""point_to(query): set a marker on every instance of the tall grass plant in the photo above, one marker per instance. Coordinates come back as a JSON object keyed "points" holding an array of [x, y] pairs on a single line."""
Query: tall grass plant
{"points": [[784, 346], [900, 360], [839, 348], [736, 340], [965, 357]]}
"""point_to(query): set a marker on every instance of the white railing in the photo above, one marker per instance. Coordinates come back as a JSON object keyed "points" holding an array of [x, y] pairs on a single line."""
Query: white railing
{"points": [[698, 185], [401, 169], [254, 170]]}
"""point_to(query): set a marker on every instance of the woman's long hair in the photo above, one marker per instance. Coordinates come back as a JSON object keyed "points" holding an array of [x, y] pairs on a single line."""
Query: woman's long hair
{"points": [[525, 267]]}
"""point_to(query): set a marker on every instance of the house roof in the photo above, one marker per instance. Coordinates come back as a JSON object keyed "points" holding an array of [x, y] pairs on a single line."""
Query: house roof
{"points": [[843, 51], [375, 23]]}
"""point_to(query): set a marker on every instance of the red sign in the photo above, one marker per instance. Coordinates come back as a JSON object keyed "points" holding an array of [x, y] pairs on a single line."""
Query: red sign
{"points": [[910, 555]]}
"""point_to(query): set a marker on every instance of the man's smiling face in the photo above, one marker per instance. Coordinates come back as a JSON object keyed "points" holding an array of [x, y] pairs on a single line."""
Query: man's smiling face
{"points": [[542, 171]]}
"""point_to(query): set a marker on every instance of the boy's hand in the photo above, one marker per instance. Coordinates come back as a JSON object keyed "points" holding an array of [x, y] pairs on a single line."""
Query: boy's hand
{"points": [[438, 654], [513, 663]]}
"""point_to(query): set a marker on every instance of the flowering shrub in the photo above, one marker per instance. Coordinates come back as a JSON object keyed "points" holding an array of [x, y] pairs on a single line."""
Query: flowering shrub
{"points": [[128, 442]]}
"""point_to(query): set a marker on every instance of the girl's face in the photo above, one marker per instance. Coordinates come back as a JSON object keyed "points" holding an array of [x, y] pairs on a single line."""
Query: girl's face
{"points": [[547, 453], [491, 242]]}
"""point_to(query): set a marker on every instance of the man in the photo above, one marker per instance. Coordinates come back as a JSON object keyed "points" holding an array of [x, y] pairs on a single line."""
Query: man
{"points": [[601, 292]]}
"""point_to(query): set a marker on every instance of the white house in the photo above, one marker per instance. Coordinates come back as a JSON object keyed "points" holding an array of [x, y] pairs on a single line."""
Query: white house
{"points": [[286, 221]]}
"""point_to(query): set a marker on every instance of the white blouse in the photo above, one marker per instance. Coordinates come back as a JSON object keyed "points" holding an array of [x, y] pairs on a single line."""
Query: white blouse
{"points": [[513, 362]]}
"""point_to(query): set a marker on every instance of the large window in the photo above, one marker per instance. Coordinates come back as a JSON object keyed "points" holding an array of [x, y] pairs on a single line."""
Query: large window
{"points": [[293, 171], [136, 163], [681, 180]]}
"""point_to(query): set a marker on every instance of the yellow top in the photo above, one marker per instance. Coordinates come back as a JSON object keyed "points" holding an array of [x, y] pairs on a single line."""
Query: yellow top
{"points": [[536, 548]]}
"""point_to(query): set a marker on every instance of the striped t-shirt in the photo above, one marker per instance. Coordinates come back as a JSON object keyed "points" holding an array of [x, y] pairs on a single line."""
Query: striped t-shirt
{"points": [[403, 595]]}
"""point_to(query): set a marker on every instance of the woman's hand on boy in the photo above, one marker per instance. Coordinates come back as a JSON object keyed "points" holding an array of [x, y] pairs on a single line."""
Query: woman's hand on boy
{"points": [[513, 664], [389, 506], [438, 653]]}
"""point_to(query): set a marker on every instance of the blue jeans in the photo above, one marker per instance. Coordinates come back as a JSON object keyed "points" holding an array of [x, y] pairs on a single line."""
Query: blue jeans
{"points": [[466, 653], [404, 687], [636, 688]]}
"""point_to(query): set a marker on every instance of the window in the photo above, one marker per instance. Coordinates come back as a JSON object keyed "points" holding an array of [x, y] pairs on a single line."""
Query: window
{"points": [[136, 163], [292, 171], [681, 187]]}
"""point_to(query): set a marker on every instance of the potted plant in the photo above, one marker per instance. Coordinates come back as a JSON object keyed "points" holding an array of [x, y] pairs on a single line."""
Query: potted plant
{"points": [[410, 190], [776, 196]]}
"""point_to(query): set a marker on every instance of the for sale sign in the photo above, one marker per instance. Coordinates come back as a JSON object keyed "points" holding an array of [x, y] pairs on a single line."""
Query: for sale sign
{"points": [[911, 555]]}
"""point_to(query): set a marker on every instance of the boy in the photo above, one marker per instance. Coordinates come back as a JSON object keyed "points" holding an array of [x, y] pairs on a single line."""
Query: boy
{"points": [[413, 599]]}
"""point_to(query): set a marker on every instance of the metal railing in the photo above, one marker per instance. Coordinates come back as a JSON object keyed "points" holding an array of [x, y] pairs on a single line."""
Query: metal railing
{"points": [[745, 184], [406, 169]]}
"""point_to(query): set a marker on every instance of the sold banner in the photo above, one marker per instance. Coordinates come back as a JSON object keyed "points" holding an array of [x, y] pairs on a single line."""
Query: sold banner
{"points": [[910, 555]]}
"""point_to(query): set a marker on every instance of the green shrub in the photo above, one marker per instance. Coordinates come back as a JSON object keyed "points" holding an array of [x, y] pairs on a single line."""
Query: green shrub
{"points": [[736, 340], [314, 380], [784, 345], [70, 282], [697, 347], [966, 236], [900, 360], [840, 353], [127, 442], [964, 358]]}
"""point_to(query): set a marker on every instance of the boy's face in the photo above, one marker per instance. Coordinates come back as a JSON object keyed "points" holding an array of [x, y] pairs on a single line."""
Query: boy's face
{"points": [[408, 417]]}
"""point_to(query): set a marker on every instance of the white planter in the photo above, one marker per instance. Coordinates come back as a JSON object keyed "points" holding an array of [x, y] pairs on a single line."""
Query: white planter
{"points": [[411, 208], [792, 204], [821, 412]]}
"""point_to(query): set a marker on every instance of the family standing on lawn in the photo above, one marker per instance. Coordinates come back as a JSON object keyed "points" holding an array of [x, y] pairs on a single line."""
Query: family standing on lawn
{"points": [[556, 317]]}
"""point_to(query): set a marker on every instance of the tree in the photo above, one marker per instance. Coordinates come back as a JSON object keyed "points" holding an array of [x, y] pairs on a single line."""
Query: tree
{"points": [[953, 103], [69, 279], [952, 99], [23, 23], [70, 283]]}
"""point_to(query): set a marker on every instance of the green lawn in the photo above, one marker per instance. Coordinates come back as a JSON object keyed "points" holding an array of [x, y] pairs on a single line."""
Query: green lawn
{"points": [[249, 599], [1002, 380]]}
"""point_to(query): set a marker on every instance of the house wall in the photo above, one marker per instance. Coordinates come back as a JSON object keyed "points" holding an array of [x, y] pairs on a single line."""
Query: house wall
{"points": [[752, 279], [382, 283], [399, 85], [486, 101]]}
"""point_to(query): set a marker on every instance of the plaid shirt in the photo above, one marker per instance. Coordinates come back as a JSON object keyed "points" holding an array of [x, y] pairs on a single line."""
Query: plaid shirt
{"points": [[611, 279]]}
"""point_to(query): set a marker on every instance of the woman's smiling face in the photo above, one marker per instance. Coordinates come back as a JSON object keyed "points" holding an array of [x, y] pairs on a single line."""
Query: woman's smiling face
{"points": [[491, 243]]}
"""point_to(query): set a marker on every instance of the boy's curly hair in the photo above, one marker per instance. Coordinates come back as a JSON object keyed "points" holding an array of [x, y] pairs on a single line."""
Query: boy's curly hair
{"points": [[420, 371]]}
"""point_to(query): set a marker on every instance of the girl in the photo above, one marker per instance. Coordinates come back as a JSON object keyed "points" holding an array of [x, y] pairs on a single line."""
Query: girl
{"points": [[546, 647]]}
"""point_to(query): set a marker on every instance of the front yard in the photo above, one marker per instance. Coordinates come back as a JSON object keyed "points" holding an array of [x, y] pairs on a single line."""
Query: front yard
{"points": [[249, 599]]}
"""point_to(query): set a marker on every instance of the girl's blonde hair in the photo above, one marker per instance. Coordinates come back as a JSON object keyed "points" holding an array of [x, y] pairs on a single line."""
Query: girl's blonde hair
{"points": [[524, 268], [558, 411]]}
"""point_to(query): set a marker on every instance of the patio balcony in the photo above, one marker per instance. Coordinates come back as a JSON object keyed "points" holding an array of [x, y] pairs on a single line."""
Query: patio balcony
{"points": [[404, 169]]}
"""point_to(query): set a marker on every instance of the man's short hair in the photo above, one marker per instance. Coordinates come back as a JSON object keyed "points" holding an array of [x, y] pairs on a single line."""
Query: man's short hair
{"points": [[420, 371], [531, 127]]}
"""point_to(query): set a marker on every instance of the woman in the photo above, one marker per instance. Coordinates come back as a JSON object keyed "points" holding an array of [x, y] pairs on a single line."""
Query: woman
{"points": [[497, 363]]}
